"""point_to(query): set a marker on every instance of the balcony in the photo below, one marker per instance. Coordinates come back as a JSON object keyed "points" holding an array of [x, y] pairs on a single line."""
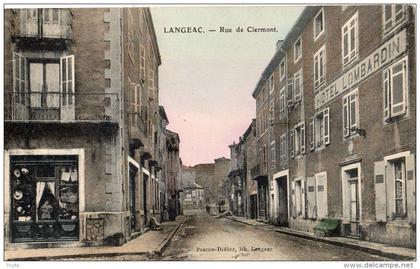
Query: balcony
{"points": [[43, 23], [61, 107], [257, 173]]}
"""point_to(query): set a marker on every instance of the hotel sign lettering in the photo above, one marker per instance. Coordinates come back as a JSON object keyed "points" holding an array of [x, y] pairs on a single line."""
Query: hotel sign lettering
{"points": [[375, 61]]}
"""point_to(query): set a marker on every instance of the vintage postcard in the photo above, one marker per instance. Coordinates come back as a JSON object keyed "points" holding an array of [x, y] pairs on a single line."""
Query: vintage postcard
{"points": [[210, 133]]}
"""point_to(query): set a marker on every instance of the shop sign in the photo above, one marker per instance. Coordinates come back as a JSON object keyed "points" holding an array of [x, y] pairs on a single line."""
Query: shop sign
{"points": [[389, 51]]}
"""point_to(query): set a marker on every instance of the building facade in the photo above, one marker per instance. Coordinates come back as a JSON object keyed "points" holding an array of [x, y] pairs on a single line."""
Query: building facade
{"points": [[82, 162], [341, 142]]}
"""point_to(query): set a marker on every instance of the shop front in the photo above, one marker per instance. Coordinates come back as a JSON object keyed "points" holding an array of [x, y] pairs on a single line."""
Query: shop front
{"points": [[43, 196]]}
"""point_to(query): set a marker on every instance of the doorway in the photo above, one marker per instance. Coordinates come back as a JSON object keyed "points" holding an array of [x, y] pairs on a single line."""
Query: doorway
{"points": [[282, 200], [145, 187], [351, 198], [132, 191]]}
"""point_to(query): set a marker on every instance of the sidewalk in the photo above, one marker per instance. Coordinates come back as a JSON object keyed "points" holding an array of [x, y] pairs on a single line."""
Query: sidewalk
{"points": [[150, 242], [395, 253]]}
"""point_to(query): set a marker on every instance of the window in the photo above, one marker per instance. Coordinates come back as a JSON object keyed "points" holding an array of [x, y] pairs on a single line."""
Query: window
{"points": [[350, 40], [298, 197], [298, 85], [350, 114], [400, 188], [142, 63], [319, 24], [297, 140], [273, 153], [135, 104], [298, 49], [282, 104], [319, 67], [290, 94], [271, 112], [282, 69], [393, 15], [283, 147], [395, 90], [151, 84], [271, 83], [320, 129]]}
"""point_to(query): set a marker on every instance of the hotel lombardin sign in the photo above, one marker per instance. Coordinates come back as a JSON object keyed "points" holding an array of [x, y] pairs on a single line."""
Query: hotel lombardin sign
{"points": [[376, 60]]}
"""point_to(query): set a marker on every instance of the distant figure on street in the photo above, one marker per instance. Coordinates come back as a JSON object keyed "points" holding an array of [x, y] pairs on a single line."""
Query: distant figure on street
{"points": [[208, 209]]}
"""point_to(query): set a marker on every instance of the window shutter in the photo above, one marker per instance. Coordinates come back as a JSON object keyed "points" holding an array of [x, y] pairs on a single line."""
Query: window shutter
{"points": [[292, 143], [321, 195], [380, 191], [312, 133], [346, 131], [390, 189], [386, 95], [67, 87], [298, 87], [327, 126], [293, 199], [303, 197], [302, 139], [346, 197], [411, 188], [290, 93], [19, 77], [311, 197]]}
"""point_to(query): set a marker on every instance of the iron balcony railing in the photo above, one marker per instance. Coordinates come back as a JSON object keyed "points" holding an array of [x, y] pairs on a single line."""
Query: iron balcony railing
{"points": [[48, 23], [257, 171], [61, 107]]}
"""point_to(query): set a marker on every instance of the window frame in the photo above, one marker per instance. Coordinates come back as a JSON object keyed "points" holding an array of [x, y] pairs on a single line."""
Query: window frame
{"points": [[318, 82], [299, 39], [346, 101], [282, 102], [282, 74], [283, 147], [354, 17], [394, 23], [316, 36], [388, 91], [273, 154], [271, 83]]}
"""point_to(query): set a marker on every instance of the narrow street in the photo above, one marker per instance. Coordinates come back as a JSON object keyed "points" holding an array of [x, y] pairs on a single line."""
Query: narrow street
{"points": [[204, 237]]}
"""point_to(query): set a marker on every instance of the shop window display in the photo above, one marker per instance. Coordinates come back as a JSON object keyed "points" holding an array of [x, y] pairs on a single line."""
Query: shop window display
{"points": [[45, 204]]}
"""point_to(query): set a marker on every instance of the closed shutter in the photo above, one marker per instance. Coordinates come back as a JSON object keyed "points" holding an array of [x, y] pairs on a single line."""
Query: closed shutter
{"points": [[290, 92], [293, 200], [390, 189], [346, 196], [303, 197], [298, 86], [312, 133], [311, 197], [20, 75], [327, 126], [411, 188], [380, 191], [302, 139], [321, 195], [386, 94], [292, 145]]}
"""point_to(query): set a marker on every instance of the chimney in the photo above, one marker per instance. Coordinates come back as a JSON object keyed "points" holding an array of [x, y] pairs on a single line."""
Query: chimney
{"points": [[279, 44]]}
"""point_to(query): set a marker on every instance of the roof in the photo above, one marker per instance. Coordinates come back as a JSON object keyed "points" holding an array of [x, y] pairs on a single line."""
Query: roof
{"points": [[290, 38]]}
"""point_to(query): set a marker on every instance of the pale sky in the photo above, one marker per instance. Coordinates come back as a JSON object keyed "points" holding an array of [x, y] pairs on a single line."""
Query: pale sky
{"points": [[206, 80]]}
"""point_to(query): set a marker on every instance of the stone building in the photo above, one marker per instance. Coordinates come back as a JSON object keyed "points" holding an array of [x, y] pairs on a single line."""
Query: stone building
{"points": [[193, 197], [344, 123], [250, 192], [81, 126], [210, 176], [237, 180], [173, 174]]}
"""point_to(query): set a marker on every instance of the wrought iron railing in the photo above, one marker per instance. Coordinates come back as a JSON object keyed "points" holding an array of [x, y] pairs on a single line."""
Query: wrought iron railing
{"points": [[61, 107], [43, 23]]}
